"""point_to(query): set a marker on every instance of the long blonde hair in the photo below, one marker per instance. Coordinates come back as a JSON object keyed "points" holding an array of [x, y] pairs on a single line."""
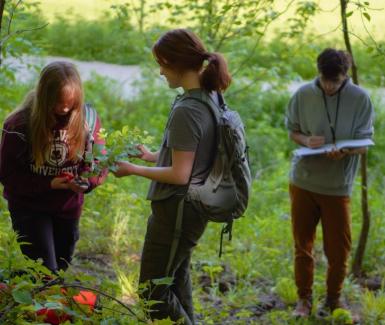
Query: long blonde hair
{"points": [[54, 79]]}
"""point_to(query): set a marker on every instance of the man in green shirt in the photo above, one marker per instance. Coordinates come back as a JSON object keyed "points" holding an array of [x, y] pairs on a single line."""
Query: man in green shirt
{"points": [[328, 109]]}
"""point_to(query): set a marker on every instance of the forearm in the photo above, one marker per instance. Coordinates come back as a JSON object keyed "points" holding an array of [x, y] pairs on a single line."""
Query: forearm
{"points": [[148, 156], [160, 174], [298, 138], [155, 156], [97, 180]]}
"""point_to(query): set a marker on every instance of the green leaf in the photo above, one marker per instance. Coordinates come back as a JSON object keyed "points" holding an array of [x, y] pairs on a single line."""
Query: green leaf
{"points": [[166, 321], [349, 14], [22, 296], [22, 285], [113, 168], [53, 305], [367, 16], [150, 303], [37, 306], [163, 281]]}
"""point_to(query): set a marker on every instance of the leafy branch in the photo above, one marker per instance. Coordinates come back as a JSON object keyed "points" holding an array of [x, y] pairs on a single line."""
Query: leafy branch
{"points": [[120, 145], [9, 34], [25, 293]]}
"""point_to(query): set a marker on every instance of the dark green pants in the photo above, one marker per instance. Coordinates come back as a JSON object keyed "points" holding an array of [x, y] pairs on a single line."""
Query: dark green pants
{"points": [[176, 298]]}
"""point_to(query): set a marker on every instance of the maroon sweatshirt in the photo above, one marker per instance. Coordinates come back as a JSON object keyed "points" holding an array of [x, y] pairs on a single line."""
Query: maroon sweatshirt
{"points": [[27, 188]]}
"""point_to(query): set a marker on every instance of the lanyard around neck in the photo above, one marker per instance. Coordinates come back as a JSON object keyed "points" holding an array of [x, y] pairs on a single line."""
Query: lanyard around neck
{"points": [[333, 126]]}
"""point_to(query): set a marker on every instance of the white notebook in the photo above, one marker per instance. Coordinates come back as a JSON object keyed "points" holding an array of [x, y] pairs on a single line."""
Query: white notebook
{"points": [[341, 144]]}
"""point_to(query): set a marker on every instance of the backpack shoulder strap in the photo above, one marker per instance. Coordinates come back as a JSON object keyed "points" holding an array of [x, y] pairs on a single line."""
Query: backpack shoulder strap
{"points": [[213, 107], [221, 101], [90, 118]]}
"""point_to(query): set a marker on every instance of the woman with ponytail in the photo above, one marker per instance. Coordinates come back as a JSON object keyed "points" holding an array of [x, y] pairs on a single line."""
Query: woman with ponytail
{"points": [[41, 151], [185, 157]]}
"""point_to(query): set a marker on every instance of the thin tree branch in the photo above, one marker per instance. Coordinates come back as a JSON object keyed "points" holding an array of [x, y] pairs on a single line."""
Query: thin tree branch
{"points": [[116, 311], [11, 16], [77, 286], [20, 31], [242, 89], [360, 6], [359, 38], [225, 35], [378, 48], [251, 53], [2, 7], [219, 23], [345, 31]]}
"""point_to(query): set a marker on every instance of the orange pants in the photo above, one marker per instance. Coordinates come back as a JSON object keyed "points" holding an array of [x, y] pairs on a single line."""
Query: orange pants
{"points": [[307, 209]]}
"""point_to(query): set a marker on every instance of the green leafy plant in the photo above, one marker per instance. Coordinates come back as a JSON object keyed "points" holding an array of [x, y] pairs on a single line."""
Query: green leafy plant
{"points": [[147, 289], [373, 306], [287, 290], [120, 145], [341, 316], [213, 271]]}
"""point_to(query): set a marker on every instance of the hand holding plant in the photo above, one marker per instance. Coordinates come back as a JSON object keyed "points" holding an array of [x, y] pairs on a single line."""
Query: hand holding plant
{"points": [[120, 145]]}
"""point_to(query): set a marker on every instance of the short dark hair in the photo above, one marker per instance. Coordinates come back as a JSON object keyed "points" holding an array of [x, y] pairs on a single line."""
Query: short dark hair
{"points": [[331, 63]]}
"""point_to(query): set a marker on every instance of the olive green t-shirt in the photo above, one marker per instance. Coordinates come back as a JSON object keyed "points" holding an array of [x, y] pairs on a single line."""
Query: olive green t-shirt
{"points": [[190, 127]]}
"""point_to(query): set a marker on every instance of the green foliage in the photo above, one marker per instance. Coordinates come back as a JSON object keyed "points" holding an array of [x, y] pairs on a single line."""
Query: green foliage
{"points": [[19, 19], [213, 271], [341, 316], [126, 33], [305, 10], [73, 36], [113, 223], [120, 145], [216, 21], [14, 44], [373, 306], [109, 47], [286, 290]]}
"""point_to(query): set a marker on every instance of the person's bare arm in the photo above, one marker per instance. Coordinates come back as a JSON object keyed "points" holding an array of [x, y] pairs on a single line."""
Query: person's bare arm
{"points": [[178, 173], [312, 141], [147, 155]]}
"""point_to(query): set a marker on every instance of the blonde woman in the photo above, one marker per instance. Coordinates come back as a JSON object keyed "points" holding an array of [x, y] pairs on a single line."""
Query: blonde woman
{"points": [[42, 145]]}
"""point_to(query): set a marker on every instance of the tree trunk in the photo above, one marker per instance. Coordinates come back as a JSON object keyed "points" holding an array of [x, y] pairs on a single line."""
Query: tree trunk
{"points": [[360, 251], [2, 6]]}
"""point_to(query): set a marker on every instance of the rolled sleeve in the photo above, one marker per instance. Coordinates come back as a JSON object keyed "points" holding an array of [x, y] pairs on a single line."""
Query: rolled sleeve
{"points": [[364, 128]]}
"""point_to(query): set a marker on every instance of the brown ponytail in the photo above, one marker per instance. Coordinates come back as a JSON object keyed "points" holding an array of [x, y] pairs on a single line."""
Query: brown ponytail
{"points": [[182, 50], [216, 75]]}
